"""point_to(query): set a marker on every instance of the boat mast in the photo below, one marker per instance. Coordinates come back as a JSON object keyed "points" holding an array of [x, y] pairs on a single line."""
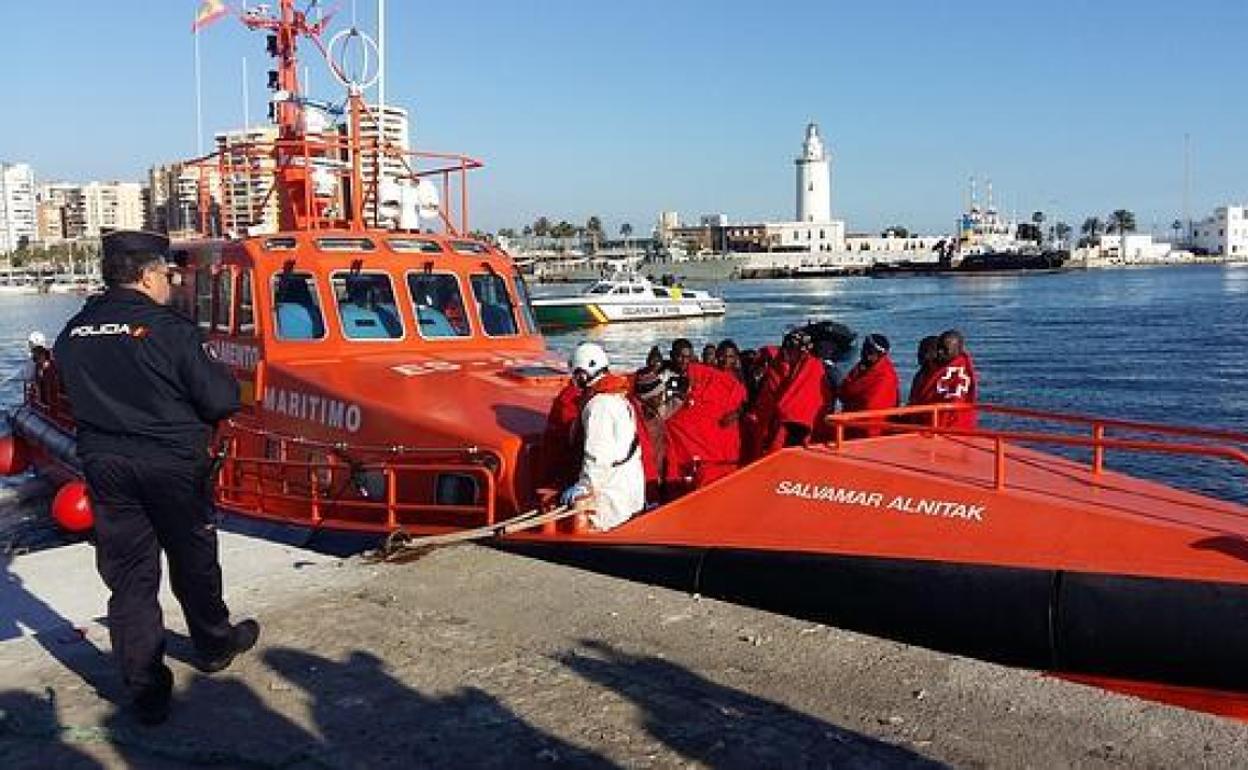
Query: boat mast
{"points": [[291, 155]]}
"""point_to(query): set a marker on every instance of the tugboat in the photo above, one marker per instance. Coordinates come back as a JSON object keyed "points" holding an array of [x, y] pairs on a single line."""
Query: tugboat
{"points": [[396, 384], [626, 297]]}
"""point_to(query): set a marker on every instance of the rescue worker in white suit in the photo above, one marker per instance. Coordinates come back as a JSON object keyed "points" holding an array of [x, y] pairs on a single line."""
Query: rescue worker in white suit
{"points": [[612, 485]]}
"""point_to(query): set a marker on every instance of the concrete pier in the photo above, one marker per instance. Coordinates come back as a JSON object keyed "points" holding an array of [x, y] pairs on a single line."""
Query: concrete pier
{"points": [[474, 658]]}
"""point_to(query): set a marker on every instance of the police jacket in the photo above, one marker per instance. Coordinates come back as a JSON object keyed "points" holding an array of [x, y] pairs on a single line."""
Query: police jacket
{"points": [[139, 380]]}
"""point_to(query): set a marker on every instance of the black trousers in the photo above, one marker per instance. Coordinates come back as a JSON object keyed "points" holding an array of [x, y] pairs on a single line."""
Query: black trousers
{"points": [[142, 507]]}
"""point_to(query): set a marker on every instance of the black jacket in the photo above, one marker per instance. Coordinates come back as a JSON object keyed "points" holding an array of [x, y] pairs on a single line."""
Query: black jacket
{"points": [[139, 380]]}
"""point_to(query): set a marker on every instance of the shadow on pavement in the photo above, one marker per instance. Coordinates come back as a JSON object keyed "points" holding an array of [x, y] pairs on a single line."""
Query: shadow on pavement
{"points": [[359, 715], [31, 735], [20, 609], [368, 718], [721, 727]]}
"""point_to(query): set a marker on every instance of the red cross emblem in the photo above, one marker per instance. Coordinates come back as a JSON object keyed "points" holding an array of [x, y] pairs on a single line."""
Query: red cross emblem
{"points": [[955, 383]]}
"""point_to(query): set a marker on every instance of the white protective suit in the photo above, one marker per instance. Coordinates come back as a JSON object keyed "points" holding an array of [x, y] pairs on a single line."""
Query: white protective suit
{"points": [[618, 485]]}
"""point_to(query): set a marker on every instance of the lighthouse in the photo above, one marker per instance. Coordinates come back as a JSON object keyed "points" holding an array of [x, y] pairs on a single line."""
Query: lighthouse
{"points": [[814, 183]]}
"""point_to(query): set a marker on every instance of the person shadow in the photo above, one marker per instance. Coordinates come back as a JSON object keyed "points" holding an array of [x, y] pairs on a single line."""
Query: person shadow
{"points": [[367, 718], [31, 735], [23, 613], [719, 727]]}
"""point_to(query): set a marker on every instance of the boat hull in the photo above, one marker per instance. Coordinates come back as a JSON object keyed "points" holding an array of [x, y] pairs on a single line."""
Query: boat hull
{"points": [[570, 315], [1179, 632]]}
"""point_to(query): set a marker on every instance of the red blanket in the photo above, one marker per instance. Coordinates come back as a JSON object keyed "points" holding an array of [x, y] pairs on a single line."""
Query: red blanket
{"points": [[953, 383], [793, 393], [864, 389], [704, 431], [560, 456]]}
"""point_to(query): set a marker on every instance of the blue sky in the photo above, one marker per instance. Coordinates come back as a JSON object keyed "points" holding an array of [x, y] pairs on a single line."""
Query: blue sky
{"points": [[622, 109]]}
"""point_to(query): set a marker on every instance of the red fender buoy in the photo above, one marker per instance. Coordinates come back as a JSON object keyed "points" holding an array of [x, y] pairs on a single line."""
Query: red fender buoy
{"points": [[13, 459], [71, 508]]}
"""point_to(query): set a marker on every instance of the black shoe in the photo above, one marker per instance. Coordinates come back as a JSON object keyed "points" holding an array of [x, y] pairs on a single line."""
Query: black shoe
{"points": [[243, 636], [151, 706]]}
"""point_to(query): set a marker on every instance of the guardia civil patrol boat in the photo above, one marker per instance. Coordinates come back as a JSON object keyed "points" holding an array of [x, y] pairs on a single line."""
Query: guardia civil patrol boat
{"points": [[626, 296], [395, 381]]}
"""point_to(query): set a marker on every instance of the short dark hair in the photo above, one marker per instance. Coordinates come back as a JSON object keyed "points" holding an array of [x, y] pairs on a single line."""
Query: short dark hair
{"points": [[125, 268], [682, 344], [124, 254]]}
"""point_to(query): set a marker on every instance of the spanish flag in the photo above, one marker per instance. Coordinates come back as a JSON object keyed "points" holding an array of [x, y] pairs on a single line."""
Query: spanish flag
{"points": [[209, 11]]}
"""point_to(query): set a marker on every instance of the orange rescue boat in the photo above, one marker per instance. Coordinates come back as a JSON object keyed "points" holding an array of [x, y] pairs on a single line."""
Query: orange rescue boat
{"points": [[395, 381]]}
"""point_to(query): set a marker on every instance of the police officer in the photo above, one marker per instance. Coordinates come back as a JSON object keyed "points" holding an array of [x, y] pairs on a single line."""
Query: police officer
{"points": [[145, 396]]}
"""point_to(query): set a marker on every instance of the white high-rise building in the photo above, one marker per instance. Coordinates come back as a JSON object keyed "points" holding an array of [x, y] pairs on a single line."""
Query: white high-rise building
{"points": [[111, 206], [249, 204], [387, 128], [18, 207], [1225, 233], [814, 181]]}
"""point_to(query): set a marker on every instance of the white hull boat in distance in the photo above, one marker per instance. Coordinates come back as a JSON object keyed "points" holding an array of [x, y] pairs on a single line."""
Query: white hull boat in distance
{"points": [[626, 298]]}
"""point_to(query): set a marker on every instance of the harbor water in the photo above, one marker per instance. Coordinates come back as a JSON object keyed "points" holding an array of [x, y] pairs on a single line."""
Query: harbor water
{"points": [[1163, 344]]}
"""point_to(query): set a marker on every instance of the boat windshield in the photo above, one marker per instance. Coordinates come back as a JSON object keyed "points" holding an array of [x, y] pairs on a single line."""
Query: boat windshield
{"points": [[498, 316], [602, 287], [439, 305], [526, 304], [296, 308], [366, 306]]}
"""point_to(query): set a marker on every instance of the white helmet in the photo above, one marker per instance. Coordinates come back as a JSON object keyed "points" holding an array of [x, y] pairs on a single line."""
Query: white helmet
{"points": [[37, 340], [589, 358]]}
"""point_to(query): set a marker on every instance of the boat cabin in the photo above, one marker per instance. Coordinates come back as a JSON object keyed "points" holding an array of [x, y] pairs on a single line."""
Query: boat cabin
{"points": [[365, 357]]}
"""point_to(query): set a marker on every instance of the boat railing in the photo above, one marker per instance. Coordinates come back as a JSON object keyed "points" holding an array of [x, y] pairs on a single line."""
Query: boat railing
{"points": [[1232, 446], [373, 489], [313, 180], [44, 393]]}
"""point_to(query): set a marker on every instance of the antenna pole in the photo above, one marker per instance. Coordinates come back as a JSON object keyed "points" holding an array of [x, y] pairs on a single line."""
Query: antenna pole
{"points": [[199, 103], [1187, 185], [246, 99], [381, 62]]}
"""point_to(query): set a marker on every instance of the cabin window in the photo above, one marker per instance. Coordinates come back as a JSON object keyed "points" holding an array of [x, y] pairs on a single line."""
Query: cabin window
{"points": [[183, 297], [203, 296], [526, 304], [660, 291], [246, 307], [296, 309], [638, 290], [281, 243], [345, 243], [417, 245], [366, 306], [469, 247], [602, 288], [222, 299], [498, 316], [438, 305]]}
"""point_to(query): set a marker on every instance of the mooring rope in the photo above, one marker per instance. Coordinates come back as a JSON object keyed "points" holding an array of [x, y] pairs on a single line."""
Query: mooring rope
{"points": [[400, 546]]}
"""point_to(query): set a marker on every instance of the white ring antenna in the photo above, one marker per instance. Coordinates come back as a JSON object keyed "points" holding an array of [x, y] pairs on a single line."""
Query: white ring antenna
{"points": [[357, 42]]}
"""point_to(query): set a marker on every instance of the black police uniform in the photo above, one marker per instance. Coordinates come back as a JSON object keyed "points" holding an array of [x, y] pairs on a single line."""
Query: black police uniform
{"points": [[145, 396]]}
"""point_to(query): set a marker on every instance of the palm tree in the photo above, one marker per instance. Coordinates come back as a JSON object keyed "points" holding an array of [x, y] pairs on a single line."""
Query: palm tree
{"points": [[1176, 226], [528, 230], [1063, 231], [541, 227], [626, 230], [1122, 221], [1091, 227], [593, 227]]}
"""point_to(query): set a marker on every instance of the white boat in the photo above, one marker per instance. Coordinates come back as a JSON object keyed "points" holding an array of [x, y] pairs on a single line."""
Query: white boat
{"points": [[626, 297]]}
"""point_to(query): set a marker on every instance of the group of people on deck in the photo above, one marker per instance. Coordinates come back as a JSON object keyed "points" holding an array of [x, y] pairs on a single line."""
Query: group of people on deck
{"points": [[617, 443]]}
